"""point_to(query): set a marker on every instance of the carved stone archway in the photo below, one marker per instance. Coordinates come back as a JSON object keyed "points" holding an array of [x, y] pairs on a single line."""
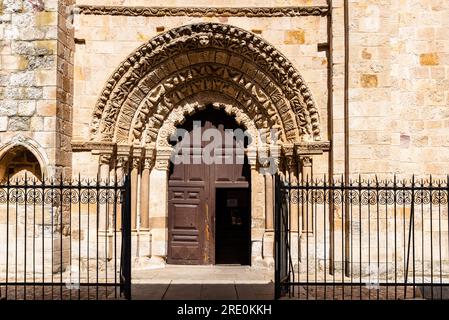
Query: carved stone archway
{"points": [[198, 103], [180, 62], [178, 73]]}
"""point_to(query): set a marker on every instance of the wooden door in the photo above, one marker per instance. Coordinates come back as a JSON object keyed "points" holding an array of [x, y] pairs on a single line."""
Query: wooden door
{"points": [[192, 193]]}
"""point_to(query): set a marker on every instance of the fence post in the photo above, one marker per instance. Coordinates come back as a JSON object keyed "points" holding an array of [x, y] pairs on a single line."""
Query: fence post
{"points": [[277, 239], [125, 259]]}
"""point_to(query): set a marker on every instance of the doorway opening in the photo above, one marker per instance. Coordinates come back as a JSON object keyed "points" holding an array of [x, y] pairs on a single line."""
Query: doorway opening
{"points": [[209, 202], [233, 226]]}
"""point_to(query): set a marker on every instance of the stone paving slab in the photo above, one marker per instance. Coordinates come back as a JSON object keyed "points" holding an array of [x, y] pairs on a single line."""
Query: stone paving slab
{"points": [[180, 292], [229, 291], [218, 292], [57, 292], [255, 291], [203, 274], [149, 292], [338, 292], [203, 283]]}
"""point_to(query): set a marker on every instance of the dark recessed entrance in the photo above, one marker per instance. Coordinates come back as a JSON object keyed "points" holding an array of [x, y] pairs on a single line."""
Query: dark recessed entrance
{"points": [[233, 226], [209, 203]]}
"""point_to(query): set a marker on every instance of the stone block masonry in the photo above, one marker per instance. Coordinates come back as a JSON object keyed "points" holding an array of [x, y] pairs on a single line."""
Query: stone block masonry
{"points": [[35, 78]]}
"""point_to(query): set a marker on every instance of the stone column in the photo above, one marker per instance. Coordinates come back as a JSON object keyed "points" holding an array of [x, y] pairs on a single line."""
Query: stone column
{"points": [[292, 170], [269, 203], [144, 210], [159, 206], [144, 195], [120, 172], [134, 192], [268, 238], [306, 175], [103, 208], [257, 209], [104, 168]]}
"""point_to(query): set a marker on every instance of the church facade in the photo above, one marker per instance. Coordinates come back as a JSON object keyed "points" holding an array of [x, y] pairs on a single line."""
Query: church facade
{"points": [[99, 88]]}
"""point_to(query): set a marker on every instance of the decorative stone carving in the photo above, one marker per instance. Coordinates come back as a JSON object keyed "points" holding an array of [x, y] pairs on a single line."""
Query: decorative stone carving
{"points": [[232, 47], [259, 106], [148, 163], [291, 163], [121, 162], [204, 11], [316, 147], [306, 162], [289, 159], [19, 139], [136, 163], [163, 158], [105, 159], [178, 115]]}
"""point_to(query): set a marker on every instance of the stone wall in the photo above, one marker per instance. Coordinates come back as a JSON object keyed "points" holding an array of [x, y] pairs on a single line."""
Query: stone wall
{"points": [[31, 78], [399, 87], [64, 94]]}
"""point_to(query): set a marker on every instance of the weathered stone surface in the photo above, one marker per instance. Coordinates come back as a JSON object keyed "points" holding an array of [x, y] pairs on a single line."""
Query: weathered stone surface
{"points": [[8, 107], [3, 123], [19, 124], [429, 59], [294, 37], [369, 80], [26, 108]]}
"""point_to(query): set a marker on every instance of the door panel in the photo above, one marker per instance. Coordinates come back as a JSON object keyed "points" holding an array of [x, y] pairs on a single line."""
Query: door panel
{"points": [[186, 225]]}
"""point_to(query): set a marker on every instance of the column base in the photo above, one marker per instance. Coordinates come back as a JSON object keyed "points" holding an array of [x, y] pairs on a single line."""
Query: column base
{"points": [[156, 262], [268, 249]]}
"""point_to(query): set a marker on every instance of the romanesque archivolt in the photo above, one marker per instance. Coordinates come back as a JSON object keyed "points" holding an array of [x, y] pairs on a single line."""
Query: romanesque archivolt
{"points": [[190, 107], [205, 57]]}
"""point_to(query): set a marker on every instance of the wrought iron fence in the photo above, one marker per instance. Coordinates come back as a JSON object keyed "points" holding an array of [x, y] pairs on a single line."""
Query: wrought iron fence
{"points": [[63, 239], [366, 239]]}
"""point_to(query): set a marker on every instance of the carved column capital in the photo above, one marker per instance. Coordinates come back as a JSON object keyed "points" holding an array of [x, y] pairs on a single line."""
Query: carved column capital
{"points": [[306, 167], [135, 164], [263, 154], [105, 159], [288, 149], [291, 162], [122, 161], [148, 163], [252, 158], [162, 161], [289, 156], [275, 153], [306, 161]]}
